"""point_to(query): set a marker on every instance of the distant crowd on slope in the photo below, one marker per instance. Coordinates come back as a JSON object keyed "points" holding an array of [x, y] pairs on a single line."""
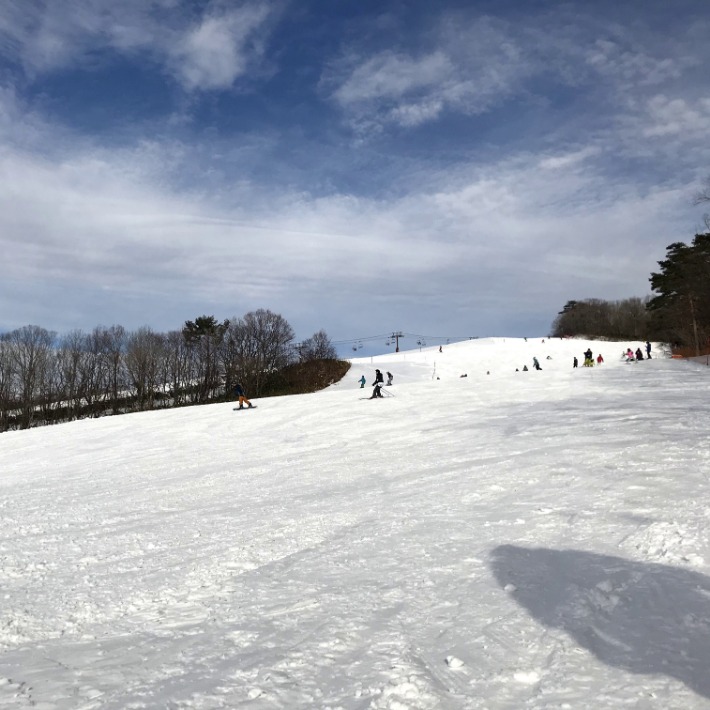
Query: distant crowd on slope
{"points": [[628, 355]]}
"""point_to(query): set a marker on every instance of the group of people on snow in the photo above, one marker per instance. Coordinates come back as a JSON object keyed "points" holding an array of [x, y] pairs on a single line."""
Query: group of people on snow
{"points": [[378, 383], [589, 359], [631, 356]]}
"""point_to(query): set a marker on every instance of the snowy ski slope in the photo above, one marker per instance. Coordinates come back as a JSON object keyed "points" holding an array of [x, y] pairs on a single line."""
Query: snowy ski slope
{"points": [[503, 540]]}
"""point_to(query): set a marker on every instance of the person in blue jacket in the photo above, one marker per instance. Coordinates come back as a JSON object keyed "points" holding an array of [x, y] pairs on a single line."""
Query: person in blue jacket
{"points": [[362, 381]]}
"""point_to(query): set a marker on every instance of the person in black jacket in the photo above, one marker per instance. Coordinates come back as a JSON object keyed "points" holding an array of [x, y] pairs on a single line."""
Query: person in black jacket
{"points": [[377, 384]]}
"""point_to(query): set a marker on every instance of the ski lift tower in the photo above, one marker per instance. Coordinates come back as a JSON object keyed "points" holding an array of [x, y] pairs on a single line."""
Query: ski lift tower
{"points": [[395, 338]]}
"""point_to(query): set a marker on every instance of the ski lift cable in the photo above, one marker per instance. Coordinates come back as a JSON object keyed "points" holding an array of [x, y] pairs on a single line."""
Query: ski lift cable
{"points": [[387, 337]]}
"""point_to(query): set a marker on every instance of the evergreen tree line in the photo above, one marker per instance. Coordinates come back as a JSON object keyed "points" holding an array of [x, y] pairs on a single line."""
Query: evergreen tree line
{"points": [[45, 378], [678, 313]]}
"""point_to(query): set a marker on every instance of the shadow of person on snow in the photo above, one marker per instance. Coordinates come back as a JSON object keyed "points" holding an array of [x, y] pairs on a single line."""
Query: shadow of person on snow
{"points": [[644, 618]]}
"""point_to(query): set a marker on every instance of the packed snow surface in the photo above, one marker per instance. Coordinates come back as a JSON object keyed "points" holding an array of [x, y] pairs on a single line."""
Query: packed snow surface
{"points": [[506, 539]]}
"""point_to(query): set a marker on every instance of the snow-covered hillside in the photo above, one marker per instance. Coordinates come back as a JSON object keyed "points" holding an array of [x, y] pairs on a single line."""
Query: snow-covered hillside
{"points": [[503, 540]]}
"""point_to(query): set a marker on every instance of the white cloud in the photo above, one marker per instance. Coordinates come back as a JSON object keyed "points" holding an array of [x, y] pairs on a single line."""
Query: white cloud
{"points": [[564, 160], [209, 52], [410, 115], [216, 52], [667, 116], [474, 66], [630, 67], [392, 76], [94, 221], [471, 65]]}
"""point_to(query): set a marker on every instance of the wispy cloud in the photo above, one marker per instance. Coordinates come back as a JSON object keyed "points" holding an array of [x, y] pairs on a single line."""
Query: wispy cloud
{"points": [[207, 51], [392, 76], [629, 66], [669, 116], [214, 53], [470, 65], [469, 69], [458, 234]]}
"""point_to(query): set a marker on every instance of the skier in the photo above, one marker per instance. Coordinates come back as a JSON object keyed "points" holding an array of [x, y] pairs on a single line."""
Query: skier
{"points": [[242, 395], [362, 382], [589, 358], [377, 384], [575, 362], [600, 359], [389, 379], [648, 350]]}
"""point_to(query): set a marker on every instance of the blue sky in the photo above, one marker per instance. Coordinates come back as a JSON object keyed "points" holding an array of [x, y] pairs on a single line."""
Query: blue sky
{"points": [[448, 169]]}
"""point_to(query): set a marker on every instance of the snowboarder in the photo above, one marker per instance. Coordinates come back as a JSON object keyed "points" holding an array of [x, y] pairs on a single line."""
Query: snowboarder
{"points": [[389, 379], [600, 359], [648, 350], [362, 382], [639, 354], [242, 395], [377, 384], [536, 364], [575, 362]]}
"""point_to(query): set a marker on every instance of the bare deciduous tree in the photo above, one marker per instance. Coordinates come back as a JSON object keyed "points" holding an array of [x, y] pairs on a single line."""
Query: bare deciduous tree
{"points": [[7, 393], [257, 345], [30, 350], [109, 370], [144, 355], [317, 347], [703, 197], [176, 364]]}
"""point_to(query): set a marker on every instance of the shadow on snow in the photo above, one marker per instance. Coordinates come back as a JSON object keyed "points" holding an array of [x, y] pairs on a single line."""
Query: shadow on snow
{"points": [[644, 618]]}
